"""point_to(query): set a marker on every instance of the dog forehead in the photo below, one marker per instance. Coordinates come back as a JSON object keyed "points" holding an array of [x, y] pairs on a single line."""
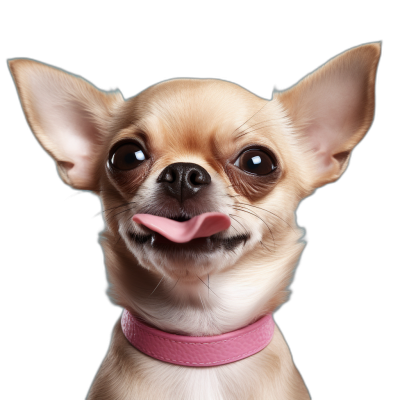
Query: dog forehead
{"points": [[194, 96], [191, 114]]}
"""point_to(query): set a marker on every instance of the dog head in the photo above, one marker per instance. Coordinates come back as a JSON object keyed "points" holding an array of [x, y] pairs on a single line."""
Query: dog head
{"points": [[186, 147]]}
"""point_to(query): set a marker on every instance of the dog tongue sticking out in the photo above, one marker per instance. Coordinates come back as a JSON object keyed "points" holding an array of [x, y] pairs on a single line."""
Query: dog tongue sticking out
{"points": [[203, 225]]}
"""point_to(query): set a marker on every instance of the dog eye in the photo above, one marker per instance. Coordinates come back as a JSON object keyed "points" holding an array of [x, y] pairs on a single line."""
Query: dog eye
{"points": [[128, 156], [256, 162]]}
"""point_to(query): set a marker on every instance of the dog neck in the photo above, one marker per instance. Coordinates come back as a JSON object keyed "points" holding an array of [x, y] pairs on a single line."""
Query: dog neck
{"points": [[210, 305], [203, 351]]}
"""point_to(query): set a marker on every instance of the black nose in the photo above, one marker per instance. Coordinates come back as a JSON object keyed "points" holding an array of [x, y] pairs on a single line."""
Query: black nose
{"points": [[184, 180]]}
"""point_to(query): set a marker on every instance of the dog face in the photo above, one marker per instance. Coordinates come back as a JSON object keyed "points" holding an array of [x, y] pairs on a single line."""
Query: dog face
{"points": [[185, 147], [193, 158]]}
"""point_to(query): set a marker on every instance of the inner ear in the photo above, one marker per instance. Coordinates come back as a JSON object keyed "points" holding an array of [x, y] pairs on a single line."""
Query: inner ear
{"points": [[333, 108], [342, 158], [68, 116]]}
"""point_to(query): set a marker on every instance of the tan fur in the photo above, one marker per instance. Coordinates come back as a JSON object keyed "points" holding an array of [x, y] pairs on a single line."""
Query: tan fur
{"points": [[269, 374], [311, 129]]}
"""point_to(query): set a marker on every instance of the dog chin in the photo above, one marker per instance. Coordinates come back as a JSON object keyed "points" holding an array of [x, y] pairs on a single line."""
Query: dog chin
{"points": [[190, 260]]}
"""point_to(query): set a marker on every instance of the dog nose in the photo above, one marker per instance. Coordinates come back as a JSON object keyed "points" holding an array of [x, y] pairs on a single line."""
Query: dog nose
{"points": [[184, 180]]}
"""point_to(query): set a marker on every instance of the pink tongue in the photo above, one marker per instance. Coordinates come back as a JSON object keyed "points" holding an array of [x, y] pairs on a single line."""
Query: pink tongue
{"points": [[181, 232]]}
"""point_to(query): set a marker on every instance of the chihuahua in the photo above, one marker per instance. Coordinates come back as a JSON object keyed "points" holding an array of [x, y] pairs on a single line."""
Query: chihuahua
{"points": [[199, 181]]}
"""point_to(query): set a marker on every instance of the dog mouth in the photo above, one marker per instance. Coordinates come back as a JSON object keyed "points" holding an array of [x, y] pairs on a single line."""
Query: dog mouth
{"points": [[197, 245], [201, 233]]}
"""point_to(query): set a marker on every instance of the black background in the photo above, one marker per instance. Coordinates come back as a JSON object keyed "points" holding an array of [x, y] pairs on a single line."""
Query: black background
{"points": [[58, 320]]}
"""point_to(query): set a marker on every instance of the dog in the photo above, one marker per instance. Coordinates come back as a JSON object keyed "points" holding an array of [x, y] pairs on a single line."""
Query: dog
{"points": [[199, 181]]}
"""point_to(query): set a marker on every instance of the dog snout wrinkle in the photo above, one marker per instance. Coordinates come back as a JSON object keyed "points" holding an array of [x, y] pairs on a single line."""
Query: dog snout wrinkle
{"points": [[184, 180]]}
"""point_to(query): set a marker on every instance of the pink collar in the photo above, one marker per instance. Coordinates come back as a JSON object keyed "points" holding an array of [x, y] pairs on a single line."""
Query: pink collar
{"points": [[195, 351]]}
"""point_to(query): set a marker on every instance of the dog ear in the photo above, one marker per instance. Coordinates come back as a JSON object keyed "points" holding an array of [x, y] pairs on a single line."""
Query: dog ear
{"points": [[333, 108], [68, 116]]}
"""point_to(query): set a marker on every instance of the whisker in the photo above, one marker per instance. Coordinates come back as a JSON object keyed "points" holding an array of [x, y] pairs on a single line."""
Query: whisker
{"points": [[158, 284], [208, 286], [117, 240], [113, 208], [75, 194], [233, 217], [114, 215], [250, 117], [255, 129], [246, 230], [169, 291], [252, 213], [234, 220], [97, 214], [243, 132], [247, 204], [263, 245]]}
